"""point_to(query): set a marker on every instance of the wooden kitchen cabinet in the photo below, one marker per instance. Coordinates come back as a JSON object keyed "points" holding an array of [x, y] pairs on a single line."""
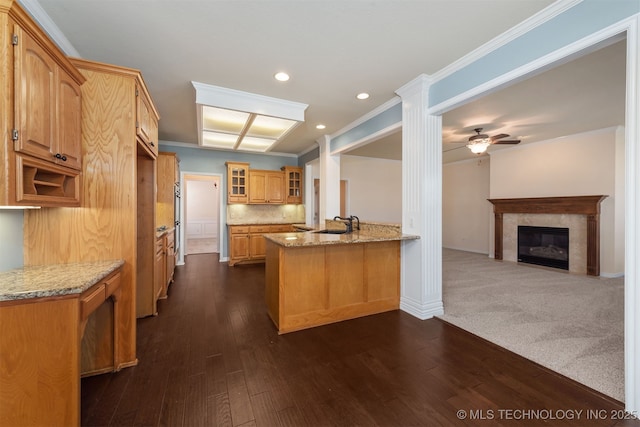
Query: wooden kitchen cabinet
{"points": [[159, 269], [237, 183], [41, 114], [246, 243], [170, 253], [293, 184], [146, 120], [168, 181], [266, 187], [49, 343], [238, 244]]}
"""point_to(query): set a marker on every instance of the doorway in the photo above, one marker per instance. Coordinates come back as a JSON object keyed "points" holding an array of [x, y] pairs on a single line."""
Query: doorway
{"points": [[201, 213], [316, 199]]}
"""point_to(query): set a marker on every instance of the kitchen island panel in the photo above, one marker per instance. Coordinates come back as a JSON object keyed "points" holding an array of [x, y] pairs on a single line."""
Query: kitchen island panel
{"points": [[345, 270], [304, 284], [316, 285], [383, 271]]}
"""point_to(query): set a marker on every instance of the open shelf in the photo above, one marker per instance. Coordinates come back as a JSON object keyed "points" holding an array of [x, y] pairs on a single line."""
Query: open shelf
{"points": [[46, 184]]}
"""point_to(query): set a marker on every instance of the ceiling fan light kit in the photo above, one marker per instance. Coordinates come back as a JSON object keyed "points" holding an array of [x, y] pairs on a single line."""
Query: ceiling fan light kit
{"points": [[479, 143]]}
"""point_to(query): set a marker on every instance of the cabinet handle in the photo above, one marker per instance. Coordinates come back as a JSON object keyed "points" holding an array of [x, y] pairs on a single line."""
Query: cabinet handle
{"points": [[61, 157], [152, 144]]}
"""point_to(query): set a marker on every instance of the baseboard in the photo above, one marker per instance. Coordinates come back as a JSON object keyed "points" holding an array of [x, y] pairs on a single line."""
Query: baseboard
{"points": [[469, 250], [421, 311], [611, 275]]}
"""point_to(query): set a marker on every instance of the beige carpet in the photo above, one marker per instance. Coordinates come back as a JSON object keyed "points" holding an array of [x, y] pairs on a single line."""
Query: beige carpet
{"points": [[569, 323]]}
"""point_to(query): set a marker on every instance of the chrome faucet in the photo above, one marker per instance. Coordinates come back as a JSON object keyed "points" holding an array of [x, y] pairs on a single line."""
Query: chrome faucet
{"points": [[349, 222]]}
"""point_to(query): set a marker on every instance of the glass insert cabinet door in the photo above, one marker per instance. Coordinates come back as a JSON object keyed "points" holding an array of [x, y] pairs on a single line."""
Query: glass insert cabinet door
{"points": [[237, 182], [294, 183]]}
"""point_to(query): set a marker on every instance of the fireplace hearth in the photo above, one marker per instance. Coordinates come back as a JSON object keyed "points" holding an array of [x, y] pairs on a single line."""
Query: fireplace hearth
{"points": [[546, 246]]}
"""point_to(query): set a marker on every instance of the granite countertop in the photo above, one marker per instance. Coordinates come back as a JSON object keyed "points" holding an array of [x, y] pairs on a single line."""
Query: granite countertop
{"points": [[319, 239], [161, 231], [257, 222], [53, 280]]}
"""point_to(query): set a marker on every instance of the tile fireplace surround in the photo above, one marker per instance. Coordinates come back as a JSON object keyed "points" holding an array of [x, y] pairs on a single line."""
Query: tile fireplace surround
{"points": [[581, 214]]}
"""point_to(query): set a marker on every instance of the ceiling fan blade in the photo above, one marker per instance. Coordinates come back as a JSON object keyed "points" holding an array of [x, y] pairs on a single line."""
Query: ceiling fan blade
{"points": [[508, 141], [498, 136]]}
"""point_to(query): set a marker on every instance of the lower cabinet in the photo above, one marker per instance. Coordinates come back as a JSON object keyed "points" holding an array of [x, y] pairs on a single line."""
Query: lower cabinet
{"points": [[246, 244], [165, 263], [170, 249], [159, 268], [48, 343]]}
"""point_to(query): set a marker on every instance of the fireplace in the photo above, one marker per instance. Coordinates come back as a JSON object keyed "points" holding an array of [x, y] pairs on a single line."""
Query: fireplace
{"points": [[588, 206], [547, 246]]}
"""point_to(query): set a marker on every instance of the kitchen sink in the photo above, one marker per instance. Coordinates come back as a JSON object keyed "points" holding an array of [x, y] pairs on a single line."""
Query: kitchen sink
{"points": [[331, 231]]}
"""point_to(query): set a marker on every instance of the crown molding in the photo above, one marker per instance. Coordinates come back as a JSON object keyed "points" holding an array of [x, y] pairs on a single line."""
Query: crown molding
{"points": [[520, 29], [371, 114], [44, 20]]}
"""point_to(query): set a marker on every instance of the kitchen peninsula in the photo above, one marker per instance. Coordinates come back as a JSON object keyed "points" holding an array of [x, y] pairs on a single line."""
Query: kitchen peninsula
{"points": [[314, 279]]}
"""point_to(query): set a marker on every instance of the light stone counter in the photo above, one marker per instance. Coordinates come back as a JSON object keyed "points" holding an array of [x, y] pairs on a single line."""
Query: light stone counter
{"points": [[53, 280], [310, 238]]}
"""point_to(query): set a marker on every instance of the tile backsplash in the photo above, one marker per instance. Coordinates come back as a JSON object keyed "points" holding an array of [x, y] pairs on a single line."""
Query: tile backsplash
{"points": [[265, 214]]}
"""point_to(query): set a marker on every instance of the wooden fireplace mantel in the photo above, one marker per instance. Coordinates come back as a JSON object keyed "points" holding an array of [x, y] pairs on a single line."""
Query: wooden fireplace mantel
{"points": [[575, 205]]}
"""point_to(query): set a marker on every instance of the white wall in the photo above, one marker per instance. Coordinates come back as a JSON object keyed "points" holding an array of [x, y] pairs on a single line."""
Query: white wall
{"points": [[374, 188], [202, 208], [11, 239], [576, 165], [466, 213]]}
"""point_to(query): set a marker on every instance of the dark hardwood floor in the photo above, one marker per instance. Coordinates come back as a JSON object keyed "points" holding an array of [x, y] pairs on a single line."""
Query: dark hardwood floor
{"points": [[212, 357]]}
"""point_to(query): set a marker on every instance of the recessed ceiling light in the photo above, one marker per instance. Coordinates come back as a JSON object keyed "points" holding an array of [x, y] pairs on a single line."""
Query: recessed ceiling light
{"points": [[281, 76], [320, 126], [363, 95]]}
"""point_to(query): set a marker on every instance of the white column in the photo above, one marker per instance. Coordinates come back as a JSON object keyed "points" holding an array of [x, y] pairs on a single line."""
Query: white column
{"points": [[632, 223], [329, 181], [421, 276]]}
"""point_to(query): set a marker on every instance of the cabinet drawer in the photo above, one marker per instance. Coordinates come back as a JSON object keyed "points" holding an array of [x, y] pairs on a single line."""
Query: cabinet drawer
{"points": [[237, 229], [159, 245], [260, 229], [111, 284], [170, 238], [280, 228], [91, 300]]}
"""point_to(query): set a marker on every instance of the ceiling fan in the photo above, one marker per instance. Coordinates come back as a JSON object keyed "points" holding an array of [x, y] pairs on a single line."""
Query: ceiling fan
{"points": [[479, 143]]}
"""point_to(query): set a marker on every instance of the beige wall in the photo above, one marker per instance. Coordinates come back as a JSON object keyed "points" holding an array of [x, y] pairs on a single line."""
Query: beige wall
{"points": [[466, 213], [576, 165], [374, 188]]}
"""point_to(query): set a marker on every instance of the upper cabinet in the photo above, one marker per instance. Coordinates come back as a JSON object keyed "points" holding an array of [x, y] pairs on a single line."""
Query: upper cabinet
{"points": [[266, 187], [237, 183], [41, 116], [261, 187], [146, 120], [293, 184]]}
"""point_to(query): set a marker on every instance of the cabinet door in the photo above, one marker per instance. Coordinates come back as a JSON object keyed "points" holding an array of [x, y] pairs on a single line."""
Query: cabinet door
{"points": [[275, 187], [237, 183], [170, 260], [69, 122], [239, 247], [159, 271], [257, 246], [35, 98], [293, 184], [146, 123], [257, 183]]}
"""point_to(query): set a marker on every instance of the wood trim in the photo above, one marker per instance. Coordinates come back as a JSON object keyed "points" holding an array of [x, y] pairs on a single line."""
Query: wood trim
{"points": [[577, 205], [573, 205]]}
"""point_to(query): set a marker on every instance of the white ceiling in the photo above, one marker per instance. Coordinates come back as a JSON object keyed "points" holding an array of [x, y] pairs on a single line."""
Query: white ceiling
{"points": [[333, 50]]}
